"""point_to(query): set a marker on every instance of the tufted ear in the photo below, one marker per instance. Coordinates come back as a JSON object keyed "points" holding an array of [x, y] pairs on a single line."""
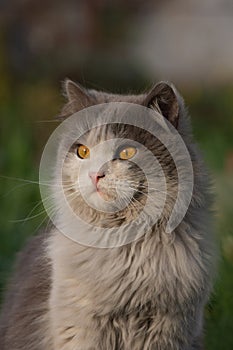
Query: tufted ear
{"points": [[164, 98], [77, 96], [75, 92]]}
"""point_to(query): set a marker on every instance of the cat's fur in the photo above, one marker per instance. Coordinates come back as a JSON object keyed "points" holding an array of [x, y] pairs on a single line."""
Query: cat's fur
{"points": [[149, 294]]}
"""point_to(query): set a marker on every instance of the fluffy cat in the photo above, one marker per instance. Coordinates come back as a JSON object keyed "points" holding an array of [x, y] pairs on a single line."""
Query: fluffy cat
{"points": [[146, 295]]}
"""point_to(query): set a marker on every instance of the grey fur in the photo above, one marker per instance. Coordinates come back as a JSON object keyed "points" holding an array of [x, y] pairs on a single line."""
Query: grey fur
{"points": [[149, 294]]}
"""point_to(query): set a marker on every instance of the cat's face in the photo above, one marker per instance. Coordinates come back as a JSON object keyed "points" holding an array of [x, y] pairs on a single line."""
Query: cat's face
{"points": [[102, 168], [109, 173]]}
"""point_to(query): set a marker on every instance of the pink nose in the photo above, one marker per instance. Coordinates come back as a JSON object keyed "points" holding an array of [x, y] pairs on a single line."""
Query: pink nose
{"points": [[95, 176]]}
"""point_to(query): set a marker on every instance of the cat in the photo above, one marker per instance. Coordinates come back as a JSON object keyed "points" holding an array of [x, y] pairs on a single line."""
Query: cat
{"points": [[148, 294]]}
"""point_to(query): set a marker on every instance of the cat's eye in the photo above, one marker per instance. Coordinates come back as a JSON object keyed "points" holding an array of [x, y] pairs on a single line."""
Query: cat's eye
{"points": [[127, 153], [83, 151]]}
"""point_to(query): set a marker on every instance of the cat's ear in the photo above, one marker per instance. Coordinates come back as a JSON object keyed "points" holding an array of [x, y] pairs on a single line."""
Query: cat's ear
{"points": [[77, 98], [75, 92], [164, 99]]}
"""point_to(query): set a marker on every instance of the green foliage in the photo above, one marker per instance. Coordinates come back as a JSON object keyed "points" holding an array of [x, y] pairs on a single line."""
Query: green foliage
{"points": [[213, 128], [219, 323], [17, 197]]}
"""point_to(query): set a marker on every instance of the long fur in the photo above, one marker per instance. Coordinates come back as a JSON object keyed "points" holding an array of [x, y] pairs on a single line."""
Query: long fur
{"points": [[149, 294]]}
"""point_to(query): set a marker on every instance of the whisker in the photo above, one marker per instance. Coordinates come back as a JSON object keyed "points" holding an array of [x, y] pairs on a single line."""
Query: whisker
{"points": [[27, 181], [13, 189], [47, 121], [29, 217]]}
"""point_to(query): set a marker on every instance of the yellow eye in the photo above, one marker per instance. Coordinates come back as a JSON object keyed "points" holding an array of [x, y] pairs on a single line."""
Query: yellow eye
{"points": [[83, 151], [127, 153]]}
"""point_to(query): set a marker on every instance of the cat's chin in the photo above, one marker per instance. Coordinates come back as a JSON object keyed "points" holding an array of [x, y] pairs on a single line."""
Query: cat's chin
{"points": [[105, 196], [99, 200]]}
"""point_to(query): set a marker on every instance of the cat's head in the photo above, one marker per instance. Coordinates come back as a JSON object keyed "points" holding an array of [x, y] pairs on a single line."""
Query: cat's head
{"points": [[106, 170]]}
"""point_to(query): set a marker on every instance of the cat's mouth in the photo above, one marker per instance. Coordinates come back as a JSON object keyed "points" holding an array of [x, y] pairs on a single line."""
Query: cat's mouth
{"points": [[108, 193], [114, 192], [107, 190]]}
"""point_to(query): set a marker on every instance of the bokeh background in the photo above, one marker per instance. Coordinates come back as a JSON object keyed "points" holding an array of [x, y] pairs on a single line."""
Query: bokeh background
{"points": [[120, 46]]}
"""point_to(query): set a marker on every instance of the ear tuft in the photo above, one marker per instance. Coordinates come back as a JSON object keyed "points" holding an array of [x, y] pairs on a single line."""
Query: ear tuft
{"points": [[164, 99], [74, 91], [77, 96]]}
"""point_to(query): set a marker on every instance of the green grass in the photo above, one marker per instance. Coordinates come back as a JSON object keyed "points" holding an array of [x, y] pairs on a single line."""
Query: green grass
{"points": [[17, 198], [19, 157], [219, 320], [213, 128]]}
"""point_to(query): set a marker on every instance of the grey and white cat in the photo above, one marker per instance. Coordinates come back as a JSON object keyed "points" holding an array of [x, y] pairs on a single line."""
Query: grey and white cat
{"points": [[147, 294]]}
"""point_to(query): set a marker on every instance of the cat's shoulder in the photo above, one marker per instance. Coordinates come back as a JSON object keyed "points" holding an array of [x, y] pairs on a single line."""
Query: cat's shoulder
{"points": [[31, 273]]}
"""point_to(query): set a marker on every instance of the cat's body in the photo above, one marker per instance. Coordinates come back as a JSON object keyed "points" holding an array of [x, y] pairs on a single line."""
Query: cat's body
{"points": [[148, 294]]}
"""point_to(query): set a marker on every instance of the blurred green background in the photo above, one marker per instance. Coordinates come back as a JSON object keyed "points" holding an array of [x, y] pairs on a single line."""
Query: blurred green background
{"points": [[94, 44]]}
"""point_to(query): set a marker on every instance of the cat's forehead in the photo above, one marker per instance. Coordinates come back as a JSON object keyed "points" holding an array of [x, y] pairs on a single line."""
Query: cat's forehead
{"points": [[98, 135], [110, 123]]}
